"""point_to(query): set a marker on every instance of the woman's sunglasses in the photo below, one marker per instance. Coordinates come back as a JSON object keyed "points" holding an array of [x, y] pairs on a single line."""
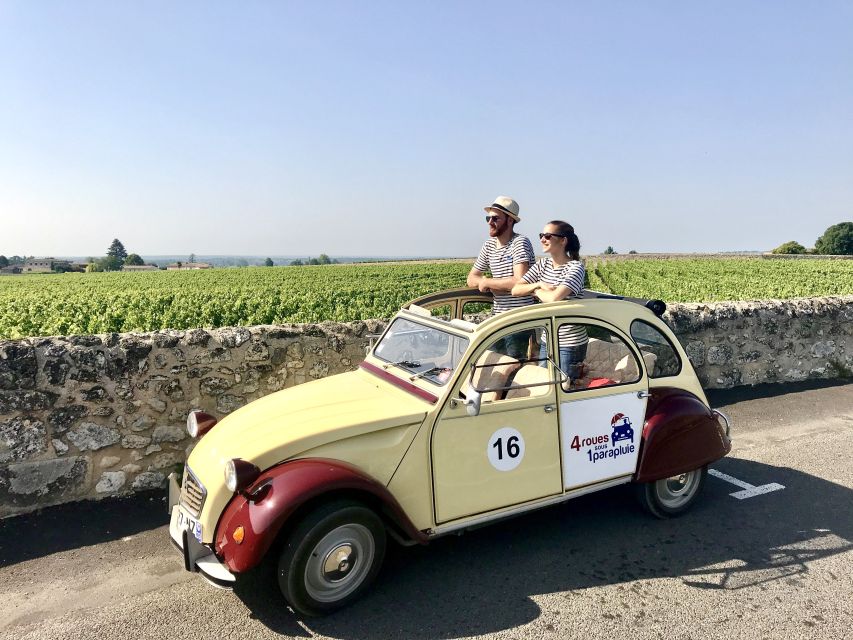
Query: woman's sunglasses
{"points": [[548, 236]]}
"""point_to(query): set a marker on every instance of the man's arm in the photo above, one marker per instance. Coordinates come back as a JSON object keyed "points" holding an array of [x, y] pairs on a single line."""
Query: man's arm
{"points": [[474, 277], [505, 285]]}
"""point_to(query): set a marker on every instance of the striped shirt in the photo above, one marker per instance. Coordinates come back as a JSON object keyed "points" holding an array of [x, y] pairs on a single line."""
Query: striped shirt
{"points": [[571, 275], [500, 261]]}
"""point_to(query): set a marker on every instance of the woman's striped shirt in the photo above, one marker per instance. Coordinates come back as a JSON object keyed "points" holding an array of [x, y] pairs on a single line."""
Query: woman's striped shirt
{"points": [[500, 261], [571, 275]]}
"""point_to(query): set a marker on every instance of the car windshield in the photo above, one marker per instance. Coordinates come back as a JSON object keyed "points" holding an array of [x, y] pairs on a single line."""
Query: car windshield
{"points": [[427, 352]]}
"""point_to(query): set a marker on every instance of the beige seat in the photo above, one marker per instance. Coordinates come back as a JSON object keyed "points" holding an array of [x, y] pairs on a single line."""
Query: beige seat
{"points": [[493, 372], [612, 360], [529, 374]]}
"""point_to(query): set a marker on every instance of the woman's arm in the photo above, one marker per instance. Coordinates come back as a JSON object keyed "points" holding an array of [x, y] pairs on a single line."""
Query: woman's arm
{"points": [[558, 293], [525, 288]]}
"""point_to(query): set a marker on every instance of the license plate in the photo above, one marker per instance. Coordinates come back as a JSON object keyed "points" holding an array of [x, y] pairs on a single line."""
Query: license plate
{"points": [[190, 524]]}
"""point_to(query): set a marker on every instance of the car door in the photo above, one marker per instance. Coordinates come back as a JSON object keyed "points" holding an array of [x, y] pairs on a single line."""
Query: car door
{"points": [[509, 453], [602, 410]]}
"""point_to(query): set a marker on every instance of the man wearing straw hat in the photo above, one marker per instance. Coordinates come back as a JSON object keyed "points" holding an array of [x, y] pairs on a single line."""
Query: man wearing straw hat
{"points": [[507, 256]]}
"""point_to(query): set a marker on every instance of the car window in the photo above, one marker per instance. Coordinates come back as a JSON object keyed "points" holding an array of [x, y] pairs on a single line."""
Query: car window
{"points": [[593, 356], [514, 366], [426, 352], [476, 311], [443, 311], [652, 341]]}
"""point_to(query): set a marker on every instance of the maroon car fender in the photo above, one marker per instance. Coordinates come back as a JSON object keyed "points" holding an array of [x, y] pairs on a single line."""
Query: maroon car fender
{"points": [[680, 434], [279, 492]]}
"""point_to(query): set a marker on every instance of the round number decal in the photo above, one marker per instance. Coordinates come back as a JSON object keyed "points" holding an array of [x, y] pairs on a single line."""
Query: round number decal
{"points": [[505, 449]]}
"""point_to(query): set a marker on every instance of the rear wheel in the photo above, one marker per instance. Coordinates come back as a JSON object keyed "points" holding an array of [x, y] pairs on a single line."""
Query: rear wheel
{"points": [[331, 557], [669, 497]]}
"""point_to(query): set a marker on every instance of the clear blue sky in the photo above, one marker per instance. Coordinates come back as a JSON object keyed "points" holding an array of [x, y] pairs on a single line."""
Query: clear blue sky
{"points": [[383, 128]]}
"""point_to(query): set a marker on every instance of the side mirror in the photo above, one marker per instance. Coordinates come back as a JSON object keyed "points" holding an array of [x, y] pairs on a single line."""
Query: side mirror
{"points": [[473, 399]]}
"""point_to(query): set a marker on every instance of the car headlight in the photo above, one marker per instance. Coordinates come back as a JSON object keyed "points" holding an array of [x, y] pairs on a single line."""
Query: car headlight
{"points": [[199, 423], [239, 474]]}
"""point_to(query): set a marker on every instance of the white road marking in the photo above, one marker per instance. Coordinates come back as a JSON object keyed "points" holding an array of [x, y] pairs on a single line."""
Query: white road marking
{"points": [[748, 490]]}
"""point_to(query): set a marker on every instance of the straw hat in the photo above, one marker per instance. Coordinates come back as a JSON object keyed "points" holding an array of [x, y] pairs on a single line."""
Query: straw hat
{"points": [[506, 205]]}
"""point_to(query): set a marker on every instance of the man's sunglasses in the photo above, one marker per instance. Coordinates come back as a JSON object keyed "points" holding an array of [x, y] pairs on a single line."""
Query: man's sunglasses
{"points": [[494, 219], [548, 236]]}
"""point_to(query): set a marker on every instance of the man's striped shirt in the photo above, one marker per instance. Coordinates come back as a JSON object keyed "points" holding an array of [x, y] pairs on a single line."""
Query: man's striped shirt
{"points": [[500, 261], [571, 275]]}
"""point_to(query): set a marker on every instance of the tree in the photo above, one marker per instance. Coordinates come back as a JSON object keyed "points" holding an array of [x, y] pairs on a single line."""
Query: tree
{"points": [[296, 263], [117, 250], [269, 263], [110, 263], [836, 241], [133, 260], [192, 258], [609, 251], [324, 259], [790, 248], [4, 262], [313, 261], [632, 252]]}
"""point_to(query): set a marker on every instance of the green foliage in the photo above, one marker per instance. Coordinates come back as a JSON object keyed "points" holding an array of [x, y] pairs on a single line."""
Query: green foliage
{"points": [[134, 260], [108, 302], [117, 250], [296, 263], [268, 262], [4, 262], [111, 263], [191, 258], [632, 252], [836, 241], [609, 251], [716, 279], [40, 305], [791, 247]]}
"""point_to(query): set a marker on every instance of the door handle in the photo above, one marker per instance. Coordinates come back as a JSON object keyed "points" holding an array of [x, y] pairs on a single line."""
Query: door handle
{"points": [[643, 394], [549, 408]]}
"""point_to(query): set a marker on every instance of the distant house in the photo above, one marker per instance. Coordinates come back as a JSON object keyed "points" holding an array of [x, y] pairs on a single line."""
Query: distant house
{"points": [[185, 266], [141, 267], [45, 265], [11, 270]]}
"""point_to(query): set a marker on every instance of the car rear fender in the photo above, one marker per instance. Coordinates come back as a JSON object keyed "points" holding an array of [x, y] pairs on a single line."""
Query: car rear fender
{"points": [[280, 492], [680, 434]]}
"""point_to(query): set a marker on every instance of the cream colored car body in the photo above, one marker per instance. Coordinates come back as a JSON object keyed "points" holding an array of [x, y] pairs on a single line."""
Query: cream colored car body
{"points": [[419, 449]]}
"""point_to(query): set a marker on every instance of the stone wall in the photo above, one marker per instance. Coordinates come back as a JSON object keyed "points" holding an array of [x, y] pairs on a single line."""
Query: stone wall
{"points": [[91, 416]]}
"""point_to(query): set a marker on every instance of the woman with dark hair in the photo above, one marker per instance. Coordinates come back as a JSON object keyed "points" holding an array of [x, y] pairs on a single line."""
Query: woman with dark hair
{"points": [[558, 276]]}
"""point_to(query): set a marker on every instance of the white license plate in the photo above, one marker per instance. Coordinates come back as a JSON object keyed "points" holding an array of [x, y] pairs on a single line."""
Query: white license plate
{"points": [[190, 524]]}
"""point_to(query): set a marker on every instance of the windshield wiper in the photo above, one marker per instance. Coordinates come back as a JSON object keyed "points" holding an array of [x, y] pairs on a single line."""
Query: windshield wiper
{"points": [[407, 364], [428, 372]]}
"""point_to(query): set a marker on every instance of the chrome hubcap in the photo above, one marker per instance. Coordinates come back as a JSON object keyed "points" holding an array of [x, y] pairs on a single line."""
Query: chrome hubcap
{"points": [[675, 491], [339, 563]]}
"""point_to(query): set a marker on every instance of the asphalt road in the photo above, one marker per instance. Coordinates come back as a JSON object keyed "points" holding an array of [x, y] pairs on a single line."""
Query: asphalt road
{"points": [[775, 565]]}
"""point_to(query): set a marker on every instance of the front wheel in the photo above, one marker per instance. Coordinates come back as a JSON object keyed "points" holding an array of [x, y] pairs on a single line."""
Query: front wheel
{"points": [[669, 497], [331, 557]]}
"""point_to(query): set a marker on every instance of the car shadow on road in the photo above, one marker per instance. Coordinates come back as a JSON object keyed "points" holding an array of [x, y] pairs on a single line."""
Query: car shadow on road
{"points": [[487, 580], [79, 524]]}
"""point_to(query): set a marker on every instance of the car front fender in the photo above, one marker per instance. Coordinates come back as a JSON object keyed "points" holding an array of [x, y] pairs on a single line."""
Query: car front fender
{"points": [[680, 434], [279, 492]]}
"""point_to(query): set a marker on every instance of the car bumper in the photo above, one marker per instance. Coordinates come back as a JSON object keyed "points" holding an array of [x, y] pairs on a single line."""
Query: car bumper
{"points": [[197, 556]]}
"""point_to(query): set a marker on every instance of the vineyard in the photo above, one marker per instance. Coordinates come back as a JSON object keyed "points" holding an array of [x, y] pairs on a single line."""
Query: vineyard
{"points": [[68, 304], [714, 279]]}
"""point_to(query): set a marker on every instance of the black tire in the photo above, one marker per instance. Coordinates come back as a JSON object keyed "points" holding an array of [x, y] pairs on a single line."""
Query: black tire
{"points": [[670, 497], [331, 557]]}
